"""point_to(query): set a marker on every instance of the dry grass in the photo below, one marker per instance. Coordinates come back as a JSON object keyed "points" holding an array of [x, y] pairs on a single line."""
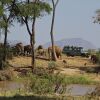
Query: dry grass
{"points": [[71, 61], [71, 67], [78, 61], [26, 61]]}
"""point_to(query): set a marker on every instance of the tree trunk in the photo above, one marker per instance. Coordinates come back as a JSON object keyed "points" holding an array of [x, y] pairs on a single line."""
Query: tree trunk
{"points": [[4, 58], [54, 57], [32, 42], [5, 45]]}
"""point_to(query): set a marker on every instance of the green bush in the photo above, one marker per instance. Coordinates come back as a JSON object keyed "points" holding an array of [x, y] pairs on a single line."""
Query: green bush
{"points": [[98, 56], [43, 82], [9, 56], [52, 66], [42, 86], [46, 83]]}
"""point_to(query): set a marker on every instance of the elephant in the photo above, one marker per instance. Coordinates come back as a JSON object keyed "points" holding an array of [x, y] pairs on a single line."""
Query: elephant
{"points": [[39, 47], [18, 49], [58, 52], [27, 49], [41, 51], [94, 58]]}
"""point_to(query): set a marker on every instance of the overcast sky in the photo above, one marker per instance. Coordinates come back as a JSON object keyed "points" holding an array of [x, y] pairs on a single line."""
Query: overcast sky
{"points": [[73, 20]]}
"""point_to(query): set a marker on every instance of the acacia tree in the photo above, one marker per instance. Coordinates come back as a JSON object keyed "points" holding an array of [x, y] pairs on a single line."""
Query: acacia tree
{"points": [[27, 12], [97, 17], [6, 20], [54, 4]]}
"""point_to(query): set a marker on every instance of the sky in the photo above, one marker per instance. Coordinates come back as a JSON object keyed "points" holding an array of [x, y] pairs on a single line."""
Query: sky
{"points": [[73, 20]]}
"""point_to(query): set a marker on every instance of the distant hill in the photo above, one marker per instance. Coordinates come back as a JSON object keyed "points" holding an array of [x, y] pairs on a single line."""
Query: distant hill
{"points": [[73, 42]]}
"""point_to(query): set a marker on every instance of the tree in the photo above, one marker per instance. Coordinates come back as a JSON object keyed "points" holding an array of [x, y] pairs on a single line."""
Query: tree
{"points": [[27, 11], [97, 17], [54, 4], [6, 20]]}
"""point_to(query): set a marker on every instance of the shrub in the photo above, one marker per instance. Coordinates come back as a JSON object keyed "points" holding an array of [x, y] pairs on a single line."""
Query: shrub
{"points": [[7, 75], [98, 56], [52, 65], [46, 83], [9, 56], [42, 86]]}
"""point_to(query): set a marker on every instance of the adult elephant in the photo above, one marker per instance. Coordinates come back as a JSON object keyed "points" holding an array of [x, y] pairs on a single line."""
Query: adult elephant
{"points": [[94, 58], [58, 52], [27, 49], [18, 49]]}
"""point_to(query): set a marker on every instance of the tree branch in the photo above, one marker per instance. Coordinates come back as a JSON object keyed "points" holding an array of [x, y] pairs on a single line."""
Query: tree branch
{"points": [[28, 29], [53, 3], [13, 3], [56, 3]]}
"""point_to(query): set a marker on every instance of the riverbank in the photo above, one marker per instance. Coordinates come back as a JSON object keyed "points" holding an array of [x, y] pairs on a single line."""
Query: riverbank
{"points": [[44, 83]]}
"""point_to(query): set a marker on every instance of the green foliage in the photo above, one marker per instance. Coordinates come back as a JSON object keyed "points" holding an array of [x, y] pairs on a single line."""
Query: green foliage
{"points": [[97, 17], [9, 56], [30, 10], [78, 80], [6, 20], [45, 83], [9, 52], [51, 65], [48, 83], [1, 10], [6, 16], [42, 86], [98, 56], [6, 1]]}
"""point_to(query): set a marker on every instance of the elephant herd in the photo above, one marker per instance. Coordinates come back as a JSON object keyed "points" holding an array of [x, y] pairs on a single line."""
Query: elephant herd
{"points": [[20, 49]]}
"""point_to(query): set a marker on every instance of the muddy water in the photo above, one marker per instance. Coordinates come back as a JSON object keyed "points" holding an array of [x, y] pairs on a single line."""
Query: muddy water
{"points": [[80, 90], [10, 86], [73, 90]]}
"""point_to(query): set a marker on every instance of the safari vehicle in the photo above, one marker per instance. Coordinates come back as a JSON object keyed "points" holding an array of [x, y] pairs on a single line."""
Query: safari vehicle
{"points": [[74, 51]]}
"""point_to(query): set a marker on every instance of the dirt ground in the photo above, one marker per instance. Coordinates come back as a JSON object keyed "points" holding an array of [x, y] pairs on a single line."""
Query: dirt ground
{"points": [[67, 66], [70, 62]]}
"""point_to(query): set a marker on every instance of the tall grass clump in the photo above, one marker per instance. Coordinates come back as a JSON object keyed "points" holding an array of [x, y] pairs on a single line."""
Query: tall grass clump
{"points": [[78, 80]]}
